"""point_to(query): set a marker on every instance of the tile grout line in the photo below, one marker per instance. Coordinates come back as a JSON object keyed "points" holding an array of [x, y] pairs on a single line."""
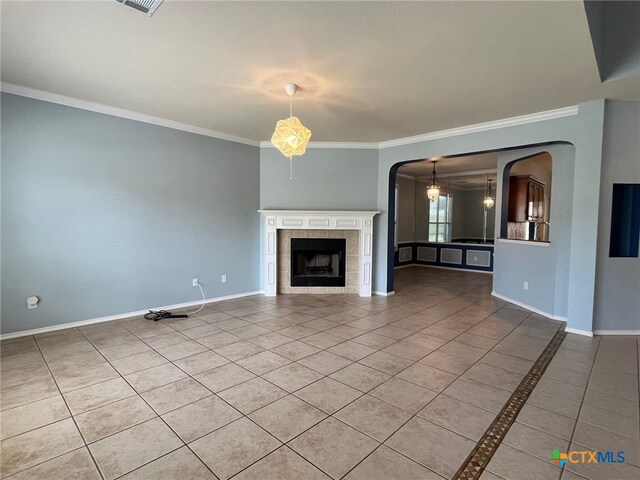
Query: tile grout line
{"points": [[360, 396], [343, 340], [168, 361], [70, 416], [481, 455], [586, 388], [366, 393], [184, 444], [438, 394]]}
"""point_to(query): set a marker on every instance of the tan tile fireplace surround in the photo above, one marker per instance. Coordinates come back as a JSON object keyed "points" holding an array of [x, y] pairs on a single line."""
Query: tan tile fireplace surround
{"points": [[283, 225], [284, 260]]}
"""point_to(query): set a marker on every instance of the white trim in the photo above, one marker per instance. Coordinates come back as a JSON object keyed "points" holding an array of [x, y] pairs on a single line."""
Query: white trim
{"points": [[164, 122], [482, 127], [577, 331], [403, 266], [439, 267], [402, 175], [319, 145], [530, 243], [121, 112], [120, 316], [424, 178], [617, 332], [529, 307], [385, 294], [360, 221]]}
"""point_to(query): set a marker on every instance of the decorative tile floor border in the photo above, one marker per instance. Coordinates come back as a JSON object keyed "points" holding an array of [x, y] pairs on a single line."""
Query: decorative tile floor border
{"points": [[488, 444]]}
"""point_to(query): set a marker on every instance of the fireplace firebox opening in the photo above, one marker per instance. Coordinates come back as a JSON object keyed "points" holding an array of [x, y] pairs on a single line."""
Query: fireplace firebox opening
{"points": [[318, 262]]}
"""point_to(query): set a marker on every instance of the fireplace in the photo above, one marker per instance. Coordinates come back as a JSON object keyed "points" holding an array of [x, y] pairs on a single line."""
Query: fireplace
{"points": [[280, 226], [318, 262]]}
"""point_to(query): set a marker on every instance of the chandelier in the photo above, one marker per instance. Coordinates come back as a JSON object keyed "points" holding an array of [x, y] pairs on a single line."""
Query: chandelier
{"points": [[433, 191], [489, 197], [291, 136]]}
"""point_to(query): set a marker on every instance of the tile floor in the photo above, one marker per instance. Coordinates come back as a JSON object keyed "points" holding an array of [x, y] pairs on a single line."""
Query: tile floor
{"points": [[317, 387]]}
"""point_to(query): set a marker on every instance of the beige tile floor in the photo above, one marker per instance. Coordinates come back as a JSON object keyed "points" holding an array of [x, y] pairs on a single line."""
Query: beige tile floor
{"points": [[316, 387]]}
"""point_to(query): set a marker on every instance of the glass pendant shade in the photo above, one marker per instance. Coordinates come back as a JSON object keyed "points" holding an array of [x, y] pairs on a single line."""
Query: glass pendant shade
{"points": [[489, 202], [291, 137], [433, 192]]}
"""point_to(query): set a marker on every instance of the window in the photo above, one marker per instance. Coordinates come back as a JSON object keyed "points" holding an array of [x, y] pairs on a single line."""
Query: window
{"points": [[440, 219]]}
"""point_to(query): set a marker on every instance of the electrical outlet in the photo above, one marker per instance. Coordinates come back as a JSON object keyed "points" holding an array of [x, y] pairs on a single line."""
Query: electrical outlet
{"points": [[525, 285], [194, 282], [223, 279], [32, 302]]}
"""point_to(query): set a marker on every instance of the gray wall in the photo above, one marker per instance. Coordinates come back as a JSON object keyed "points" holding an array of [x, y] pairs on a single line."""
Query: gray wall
{"points": [[406, 208], [323, 179], [422, 212], [468, 215], [103, 216], [617, 305], [613, 26], [545, 268], [583, 130]]}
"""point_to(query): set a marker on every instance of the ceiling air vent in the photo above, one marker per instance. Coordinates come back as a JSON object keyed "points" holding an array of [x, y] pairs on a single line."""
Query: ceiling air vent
{"points": [[145, 6]]}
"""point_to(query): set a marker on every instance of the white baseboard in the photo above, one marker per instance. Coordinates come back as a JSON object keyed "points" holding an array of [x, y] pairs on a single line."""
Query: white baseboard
{"points": [[467, 270], [120, 316], [577, 331], [403, 266], [533, 309], [617, 332], [384, 294]]}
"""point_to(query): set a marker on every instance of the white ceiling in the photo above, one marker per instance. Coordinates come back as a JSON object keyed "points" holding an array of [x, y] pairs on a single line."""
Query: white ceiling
{"points": [[368, 71], [455, 165]]}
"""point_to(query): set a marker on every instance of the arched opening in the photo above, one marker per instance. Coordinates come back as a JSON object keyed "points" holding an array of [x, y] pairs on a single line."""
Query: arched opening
{"points": [[435, 221], [540, 229], [526, 198]]}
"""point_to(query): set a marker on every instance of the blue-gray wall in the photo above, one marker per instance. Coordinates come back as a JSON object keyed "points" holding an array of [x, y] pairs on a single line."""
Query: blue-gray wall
{"points": [[323, 179], [615, 36], [584, 131], [103, 216], [406, 209], [617, 305], [544, 266]]}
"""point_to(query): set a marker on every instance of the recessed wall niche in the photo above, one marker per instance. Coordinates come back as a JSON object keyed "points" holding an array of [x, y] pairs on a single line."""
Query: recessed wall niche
{"points": [[625, 220], [527, 198]]}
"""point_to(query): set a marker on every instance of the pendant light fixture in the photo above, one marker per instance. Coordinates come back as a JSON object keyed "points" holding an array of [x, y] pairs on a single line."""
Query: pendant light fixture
{"points": [[433, 191], [290, 136], [489, 197]]}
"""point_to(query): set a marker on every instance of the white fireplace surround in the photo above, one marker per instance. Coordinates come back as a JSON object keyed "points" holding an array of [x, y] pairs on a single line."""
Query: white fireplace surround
{"points": [[275, 220]]}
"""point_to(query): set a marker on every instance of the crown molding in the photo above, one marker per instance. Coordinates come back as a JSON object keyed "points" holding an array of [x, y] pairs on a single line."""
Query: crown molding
{"points": [[482, 127], [346, 145], [402, 175], [121, 112], [164, 122]]}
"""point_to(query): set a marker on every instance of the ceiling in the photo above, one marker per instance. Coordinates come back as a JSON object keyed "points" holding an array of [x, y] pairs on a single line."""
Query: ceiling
{"points": [[368, 71], [454, 165]]}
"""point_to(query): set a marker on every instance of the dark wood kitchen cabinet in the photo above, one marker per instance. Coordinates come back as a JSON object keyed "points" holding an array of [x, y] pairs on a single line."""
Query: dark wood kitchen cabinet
{"points": [[526, 199]]}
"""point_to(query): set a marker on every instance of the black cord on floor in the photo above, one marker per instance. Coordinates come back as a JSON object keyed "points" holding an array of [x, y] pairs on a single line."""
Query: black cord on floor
{"points": [[160, 314]]}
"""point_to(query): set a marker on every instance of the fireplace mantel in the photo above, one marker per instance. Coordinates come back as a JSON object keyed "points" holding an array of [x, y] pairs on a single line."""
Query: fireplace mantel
{"points": [[275, 220]]}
